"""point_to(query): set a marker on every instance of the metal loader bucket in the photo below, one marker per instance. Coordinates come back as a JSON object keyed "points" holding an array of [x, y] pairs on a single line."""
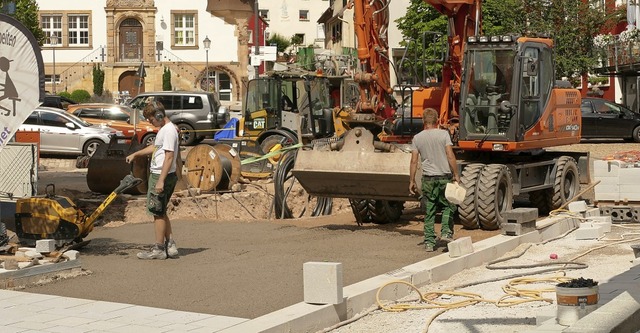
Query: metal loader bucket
{"points": [[356, 171], [107, 167]]}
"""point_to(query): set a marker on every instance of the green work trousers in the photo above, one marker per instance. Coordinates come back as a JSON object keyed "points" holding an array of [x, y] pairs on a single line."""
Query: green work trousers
{"points": [[433, 192]]}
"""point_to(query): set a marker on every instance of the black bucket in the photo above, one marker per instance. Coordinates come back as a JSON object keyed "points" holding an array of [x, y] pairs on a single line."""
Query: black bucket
{"points": [[108, 166]]}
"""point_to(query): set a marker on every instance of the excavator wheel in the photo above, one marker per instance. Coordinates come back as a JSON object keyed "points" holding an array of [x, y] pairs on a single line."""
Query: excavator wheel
{"points": [[468, 210], [361, 209], [376, 211], [387, 211], [566, 182], [541, 199], [495, 195]]}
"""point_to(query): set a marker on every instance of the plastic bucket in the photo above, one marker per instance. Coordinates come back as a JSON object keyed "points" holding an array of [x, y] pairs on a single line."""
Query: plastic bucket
{"points": [[575, 303], [455, 193]]}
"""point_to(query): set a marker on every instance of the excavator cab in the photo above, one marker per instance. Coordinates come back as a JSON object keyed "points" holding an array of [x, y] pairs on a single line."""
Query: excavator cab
{"points": [[508, 102], [287, 102]]}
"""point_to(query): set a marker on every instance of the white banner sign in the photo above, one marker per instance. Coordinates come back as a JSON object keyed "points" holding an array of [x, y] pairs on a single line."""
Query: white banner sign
{"points": [[21, 76]]}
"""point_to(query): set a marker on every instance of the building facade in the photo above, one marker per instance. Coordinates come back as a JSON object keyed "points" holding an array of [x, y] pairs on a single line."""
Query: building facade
{"points": [[120, 35]]}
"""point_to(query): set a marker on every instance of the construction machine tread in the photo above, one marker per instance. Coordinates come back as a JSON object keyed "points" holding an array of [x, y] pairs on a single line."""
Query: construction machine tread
{"points": [[566, 182], [385, 211], [495, 195], [361, 209], [541, 199], [467, 211]]}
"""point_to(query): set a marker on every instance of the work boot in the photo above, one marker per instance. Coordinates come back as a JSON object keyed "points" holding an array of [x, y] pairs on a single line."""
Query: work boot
{"points": [[428, 247], [157, 252], [172, 249], [446, 239]]}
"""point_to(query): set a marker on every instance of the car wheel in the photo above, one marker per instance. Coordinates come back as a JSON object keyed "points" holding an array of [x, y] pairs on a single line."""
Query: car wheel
{"points": [[91, 146], [636, 134], [149, 139], [187, 135]]}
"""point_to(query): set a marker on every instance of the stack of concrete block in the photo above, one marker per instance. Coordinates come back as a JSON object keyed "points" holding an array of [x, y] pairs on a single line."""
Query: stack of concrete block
{"points": [[519, 221], [617, 181]]}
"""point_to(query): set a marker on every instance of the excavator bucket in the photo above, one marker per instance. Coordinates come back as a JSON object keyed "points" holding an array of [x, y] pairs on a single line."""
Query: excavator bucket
{"points": [[359, 170], [107, 167]]}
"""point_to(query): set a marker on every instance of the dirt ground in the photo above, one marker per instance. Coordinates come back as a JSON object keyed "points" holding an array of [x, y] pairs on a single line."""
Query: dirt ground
{"points": [[236, 260]]}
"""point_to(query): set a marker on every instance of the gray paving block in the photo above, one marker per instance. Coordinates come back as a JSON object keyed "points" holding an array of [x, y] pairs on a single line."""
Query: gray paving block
{"points": [[521, 215], [589, 232], [460, 247], [591, 212], [577, 206], [45, 245], [517, 229], [322, 282]]}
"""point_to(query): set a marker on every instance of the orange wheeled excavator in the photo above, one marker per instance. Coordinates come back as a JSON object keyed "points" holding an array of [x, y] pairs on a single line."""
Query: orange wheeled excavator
{"points": [[498, 97]]}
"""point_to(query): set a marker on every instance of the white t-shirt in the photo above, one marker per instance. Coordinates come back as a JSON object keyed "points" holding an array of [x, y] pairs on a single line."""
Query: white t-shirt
{"points": [[166, 140]]}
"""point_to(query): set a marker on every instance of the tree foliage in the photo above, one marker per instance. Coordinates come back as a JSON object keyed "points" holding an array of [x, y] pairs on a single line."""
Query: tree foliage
{"points": [[80, 96], [279, 41], [25, 11], [571, 23], [166, 79], [98, 80]]}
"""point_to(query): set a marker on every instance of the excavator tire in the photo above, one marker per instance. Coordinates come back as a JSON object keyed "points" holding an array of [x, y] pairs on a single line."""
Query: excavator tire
{"points": [[376, 211], [467, 211], [566, 182], [361, 209], [541, 199], [495, 195], [386, 211]]}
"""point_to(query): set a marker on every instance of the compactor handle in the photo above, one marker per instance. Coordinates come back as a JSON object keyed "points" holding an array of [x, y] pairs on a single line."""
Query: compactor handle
{"points": [[50, 190]]}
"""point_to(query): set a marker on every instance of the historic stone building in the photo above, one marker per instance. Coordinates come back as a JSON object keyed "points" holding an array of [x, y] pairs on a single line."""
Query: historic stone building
{"points": [[120, 35]]}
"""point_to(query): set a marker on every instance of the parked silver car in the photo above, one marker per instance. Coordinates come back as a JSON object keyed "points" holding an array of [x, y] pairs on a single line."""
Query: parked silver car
{"points": [[64, 133]]}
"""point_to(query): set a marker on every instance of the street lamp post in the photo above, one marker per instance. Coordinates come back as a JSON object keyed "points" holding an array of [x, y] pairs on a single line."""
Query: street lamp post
{"points": [[207, 45], [53, 40]]}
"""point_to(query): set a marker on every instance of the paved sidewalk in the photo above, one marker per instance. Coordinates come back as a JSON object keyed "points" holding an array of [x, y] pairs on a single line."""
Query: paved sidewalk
{"points": [[26, 312]]}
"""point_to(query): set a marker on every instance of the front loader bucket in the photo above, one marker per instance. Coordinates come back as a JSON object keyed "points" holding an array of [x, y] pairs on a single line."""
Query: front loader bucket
{"points": [[107, 167], [357, 171]]}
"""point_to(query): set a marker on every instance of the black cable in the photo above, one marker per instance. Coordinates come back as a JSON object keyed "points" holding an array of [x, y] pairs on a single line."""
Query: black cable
{"points": [[281, 175]]}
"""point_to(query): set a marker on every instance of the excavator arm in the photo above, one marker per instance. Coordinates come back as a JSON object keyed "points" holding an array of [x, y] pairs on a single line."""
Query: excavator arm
{"points": [[373, 77], [464, 18], [371, 25]]}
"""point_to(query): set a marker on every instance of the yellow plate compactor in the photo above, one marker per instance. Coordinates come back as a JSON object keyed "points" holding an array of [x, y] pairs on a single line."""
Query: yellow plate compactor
{"points": [[57, 217]]}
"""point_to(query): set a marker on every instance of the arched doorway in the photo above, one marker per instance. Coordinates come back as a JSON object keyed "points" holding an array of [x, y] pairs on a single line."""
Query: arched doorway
{"points": [[129, 82], [130, 40]]}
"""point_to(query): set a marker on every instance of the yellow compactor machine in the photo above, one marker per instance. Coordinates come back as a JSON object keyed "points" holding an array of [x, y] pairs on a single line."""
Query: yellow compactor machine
{"points": [[56, 217]]}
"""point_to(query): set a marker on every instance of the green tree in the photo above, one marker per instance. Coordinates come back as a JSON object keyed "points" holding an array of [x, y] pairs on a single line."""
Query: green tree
{"points": [[571, 23], [25, 11], [98, 80], [80, 96], [166, 79], [279, 41]]}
